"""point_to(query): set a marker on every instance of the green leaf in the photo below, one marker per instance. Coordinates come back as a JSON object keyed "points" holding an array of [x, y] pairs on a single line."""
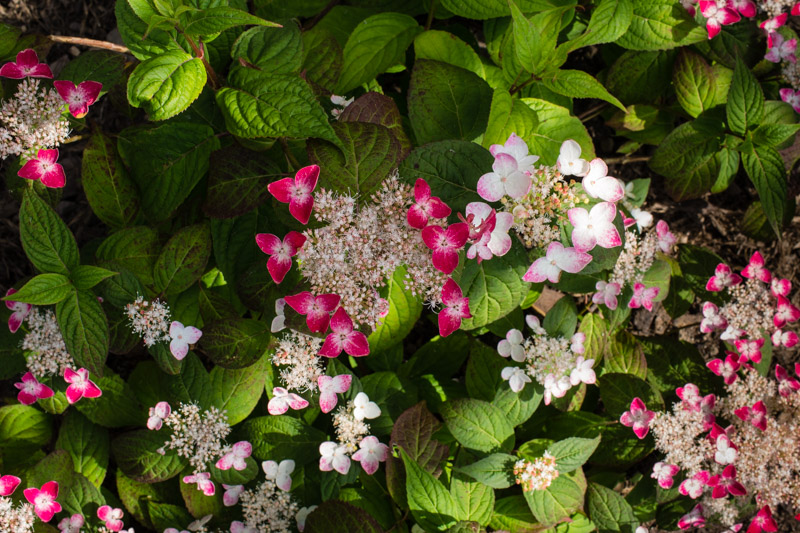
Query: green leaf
{"points": [[323, 58], [596, 331], [764, 166], [745, 107], [451, 168], [659, 25], [518, 406], [87, 444], [774, 135], [446, 102], [495, 470], [609, 511], [404, 311], [377, 43], [238, 391], [535, 38], [610, 20], [136, 454], [370, 153], [166, 162], [494, 288], [429, 501], [82, 494], [572, 453], [166, 84], [509, 115], [447, 48], [487, 9], [413, 431], [47, 241], [24, 427], [132, 249], [619, 390], [111, 194], [513, 514], [478, 425], [624, 355], [261, 104], [166, 515], [694, 81], [117, 407], [183, 259], [87, 276], [235, 342], [282, 436], [562, 319], [687, 158], [578, 84], [473, 501], [142, 43], [640, 77], [278, 50], [216, 19], [84, 327], [339, 517], [483, 372], [97, 65], [563, 497], [555, 126], [698, 264], [44, 289]]}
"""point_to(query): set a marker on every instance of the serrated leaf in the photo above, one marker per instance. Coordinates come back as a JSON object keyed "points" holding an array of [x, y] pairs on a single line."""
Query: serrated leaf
{"points": [[745, 107], [137, 456], [96, 65], [695, 82], [237, 391], [183, 259], [143, 44], [764, 166], [84, 326], [237, 181], [618, 390], [282, 436], [447, 48], [24, 427], [377, 108], [87, 276], [235, 342], [87, 444], [555, 126], [404, 311], [478, 425], [487, 9], [44, 289], [687, 158], [495, 470], [775, 135], [111, 194], [513, 514], [509, 115], [658, 25], [609, 511], [610, 20], [535, 38], [640, 77], [133, 249], [624, 355], [413, 431], [578, 84], [562, 319], [117, 407], [518, 406], [563, 497], [216, 19], [474, 501], [166, 84], [278, 50], [429, 501], [47, 241], [572, 453], [339, 517]]}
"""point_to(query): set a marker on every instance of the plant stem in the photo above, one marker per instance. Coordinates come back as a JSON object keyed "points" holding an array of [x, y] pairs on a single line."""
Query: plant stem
{"points": [[432, 10], [592, 112], [321, 14], [293, 162], [518, 88], [92, 43], [624, 160], [200, 53]]}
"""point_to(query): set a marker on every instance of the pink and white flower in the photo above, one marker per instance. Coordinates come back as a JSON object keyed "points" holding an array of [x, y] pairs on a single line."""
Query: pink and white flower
{"points": [[231, 495], [576, 342], [771, 27], [595, 227], [302, 515], [27, 64], [45, 169], [329, 387], [787, 385], [780, 287], [516, 377], [583, 372], [79, 385], [203, 481], [755, 269], [782, 49], [8, 484], [642, 218], [280, 252], [756, 415], [317, 309], [731, 334], [638, 417], [569, 161], [785, 313], [364, 408], [31, 390], [598, 184], [746, 8], [784, 338], [297, 192], [157, 415], [791, 97], [507, 179], [370, 454], [518, 149], [333, 457], [723, 277], [693, 486], [279, 322], [533, 322], [72, 524], [666, 240], [693, 518], [111, 516], [557, 259], [749, 350], [725, 483], [726, 369], [456, 308], [282, 400], [763, 521], [237, 457], [44, 500], [181, 337], [239, 527], [555, 387], [445, 244], [512, 346], [606, 294], [280, 473], [18, 310], [344, 337], [643, 296], [726, 453], [425, 206], [78, 97], [495, 242], [712, 319], [716, 16], [664, 473]]}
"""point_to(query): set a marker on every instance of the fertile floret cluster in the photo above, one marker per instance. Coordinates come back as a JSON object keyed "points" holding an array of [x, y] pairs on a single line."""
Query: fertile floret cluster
{"points": [[32, 120], [197, 435], [16, 518], [46, 352], [267, 508], [536, 474], [149, 320], [296, 354]]}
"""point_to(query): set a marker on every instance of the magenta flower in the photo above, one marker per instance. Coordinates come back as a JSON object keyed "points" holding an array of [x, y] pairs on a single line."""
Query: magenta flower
{"points": [[749, 350], [72, 524], [280, 252], [557, 259], [425, 206], [781, 49], [771, 27], [45, 169], [786, 312], [495, 240], [157, 415], [666, 240], [756, 415], [445, 244], [726, 453], [693, 518], [638, 417], [606, 294], [27, 64], [755, 269], [780, 287], [763, 521], [344, 338], [316, 308], [716, 17], [19, 311], [598, 184], [690, 396], [80, 385], [231, 495], [787, 385], [726, 369], [784, 338], [297, 192], [236, 458], [78, 97], [182, 336], [643, 296], [595, 227], [791, 97], [663, 474], [44, 500], [203, 481], [712, 319], [279, 473], [693, 486], [508, 179], [796, 12], [329, 387], [31, 390], [746, 8], [723, 277], [569, 161], [725, 483], [456, 308], [333, 456], [8, 484], [112, 517], [371, 453], [282, 400]]}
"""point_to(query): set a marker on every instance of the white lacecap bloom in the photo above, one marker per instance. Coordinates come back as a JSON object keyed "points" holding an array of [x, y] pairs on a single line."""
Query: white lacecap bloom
{"points": [[512, 346], [516, 377], [364, 408]]}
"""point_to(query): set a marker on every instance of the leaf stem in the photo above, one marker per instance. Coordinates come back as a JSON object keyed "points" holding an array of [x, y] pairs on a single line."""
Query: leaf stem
{"points": [[201, 55], [92, 43], [624, 160], [592, 112], [321, 14], [293, 162], [431, 12]]}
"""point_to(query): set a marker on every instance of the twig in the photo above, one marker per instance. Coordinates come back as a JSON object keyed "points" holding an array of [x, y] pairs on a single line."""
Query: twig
{"points": [[318, 16], [591, 112], [92, 43], [624, 160], [430, 15]]}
